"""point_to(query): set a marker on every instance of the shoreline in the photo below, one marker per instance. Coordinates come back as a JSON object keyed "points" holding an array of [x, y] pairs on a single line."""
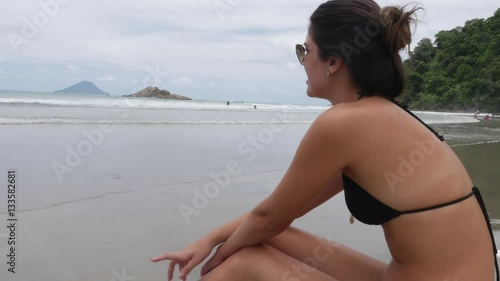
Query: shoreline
{"points": [[479, 116], [312, 106]]}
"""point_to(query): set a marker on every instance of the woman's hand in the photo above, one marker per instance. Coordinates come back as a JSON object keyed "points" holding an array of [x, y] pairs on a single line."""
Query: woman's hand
{"points": [[186, 258]]}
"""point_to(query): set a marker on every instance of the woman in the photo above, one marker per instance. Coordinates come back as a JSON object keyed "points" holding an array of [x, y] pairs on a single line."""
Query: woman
{"points": [[384, 159]]}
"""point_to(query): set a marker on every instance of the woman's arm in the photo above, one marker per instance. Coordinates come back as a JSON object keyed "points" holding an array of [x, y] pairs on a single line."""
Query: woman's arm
{"points": [[220, 234], [319, 159], [331, 189]]}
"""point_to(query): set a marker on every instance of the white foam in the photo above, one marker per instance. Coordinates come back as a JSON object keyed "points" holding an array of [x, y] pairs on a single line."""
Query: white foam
{"points": [[59, 100], [68, 121], [476, 143], [151, 103]]}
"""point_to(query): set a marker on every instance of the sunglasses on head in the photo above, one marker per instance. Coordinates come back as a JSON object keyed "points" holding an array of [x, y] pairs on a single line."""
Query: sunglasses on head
{"points": [[302, 52]]}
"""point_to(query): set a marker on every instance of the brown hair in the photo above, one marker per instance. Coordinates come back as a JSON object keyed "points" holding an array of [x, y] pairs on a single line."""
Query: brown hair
{"points": [[368, 39]]}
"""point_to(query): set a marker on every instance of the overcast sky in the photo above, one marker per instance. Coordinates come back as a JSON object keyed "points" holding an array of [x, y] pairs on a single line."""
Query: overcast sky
{"points": [[205, 49]]}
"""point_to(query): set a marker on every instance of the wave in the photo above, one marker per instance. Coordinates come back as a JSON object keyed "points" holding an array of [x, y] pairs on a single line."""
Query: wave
{"points": [[51, 101], [476, 143], [221, 121], [151, 103], [69, 121]]}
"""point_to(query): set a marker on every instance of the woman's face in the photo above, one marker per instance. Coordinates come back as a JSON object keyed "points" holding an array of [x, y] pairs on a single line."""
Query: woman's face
{"points": [[316, 70]]}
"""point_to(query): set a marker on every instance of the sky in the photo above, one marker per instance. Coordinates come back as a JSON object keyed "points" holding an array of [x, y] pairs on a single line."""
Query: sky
{"points": [[206, 49]]}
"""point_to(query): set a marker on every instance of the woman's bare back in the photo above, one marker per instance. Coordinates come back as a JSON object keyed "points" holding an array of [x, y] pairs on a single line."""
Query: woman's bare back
{"points": [[405, 166]]}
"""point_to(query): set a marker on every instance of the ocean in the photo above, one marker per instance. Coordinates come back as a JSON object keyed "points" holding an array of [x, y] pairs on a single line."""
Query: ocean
{"points": [[31, 108], [101, 181]]}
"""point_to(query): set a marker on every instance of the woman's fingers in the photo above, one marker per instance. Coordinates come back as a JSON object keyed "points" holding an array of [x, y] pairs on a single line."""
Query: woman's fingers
{"points": [[176, 259], [171, 268], [185, 261], [186, 269], [167, 256]]}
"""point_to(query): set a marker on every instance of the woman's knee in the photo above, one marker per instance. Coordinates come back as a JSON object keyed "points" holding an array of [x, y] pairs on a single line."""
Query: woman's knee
{"points": [[241, 263], [246, 256]]}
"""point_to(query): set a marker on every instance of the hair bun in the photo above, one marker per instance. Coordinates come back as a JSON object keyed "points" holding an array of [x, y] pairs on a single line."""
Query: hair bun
{"points": [[395, 22]]}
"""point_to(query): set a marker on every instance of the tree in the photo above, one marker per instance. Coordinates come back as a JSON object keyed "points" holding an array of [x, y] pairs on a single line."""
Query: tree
{"points": [[460, 70]]}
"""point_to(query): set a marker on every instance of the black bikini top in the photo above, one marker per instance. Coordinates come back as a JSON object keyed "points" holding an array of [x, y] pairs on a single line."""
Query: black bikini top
{"points": [[369, 210]]}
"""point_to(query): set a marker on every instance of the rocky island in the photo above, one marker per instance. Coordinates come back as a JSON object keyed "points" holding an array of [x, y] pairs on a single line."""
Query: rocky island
{"points": [[154, 92]]}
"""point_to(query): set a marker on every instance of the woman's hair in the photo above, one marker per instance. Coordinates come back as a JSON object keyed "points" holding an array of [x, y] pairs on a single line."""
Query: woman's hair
{"points": [[368, 39]]}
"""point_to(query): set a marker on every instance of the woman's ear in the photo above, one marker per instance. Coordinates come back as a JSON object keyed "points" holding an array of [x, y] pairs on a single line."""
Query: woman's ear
{"points": [[335, 63]]}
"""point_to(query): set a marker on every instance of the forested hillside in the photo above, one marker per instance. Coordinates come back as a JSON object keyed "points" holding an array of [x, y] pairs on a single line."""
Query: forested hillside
{"points": [[460, 70]]}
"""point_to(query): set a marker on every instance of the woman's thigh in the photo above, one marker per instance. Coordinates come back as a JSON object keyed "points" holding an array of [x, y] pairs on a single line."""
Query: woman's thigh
{"points": [[264, 263], [332, 258]]}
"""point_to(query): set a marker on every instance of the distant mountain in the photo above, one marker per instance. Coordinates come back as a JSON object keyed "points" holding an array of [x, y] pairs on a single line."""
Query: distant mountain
{"points": [[84, 87]]}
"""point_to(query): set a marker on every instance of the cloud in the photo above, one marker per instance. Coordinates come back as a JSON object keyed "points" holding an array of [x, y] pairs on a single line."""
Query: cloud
{"points": [[252, 43], [107, 78], [181, 80], [73, 69]]}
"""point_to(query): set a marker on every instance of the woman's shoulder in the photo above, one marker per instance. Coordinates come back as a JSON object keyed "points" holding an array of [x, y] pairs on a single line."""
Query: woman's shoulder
{"points": [[358, 113]]}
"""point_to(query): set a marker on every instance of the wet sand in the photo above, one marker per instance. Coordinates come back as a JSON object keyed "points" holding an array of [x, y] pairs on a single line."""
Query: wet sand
{"points": [[120, 205]]}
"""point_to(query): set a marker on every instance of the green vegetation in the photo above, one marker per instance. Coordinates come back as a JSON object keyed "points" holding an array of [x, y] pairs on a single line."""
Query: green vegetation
{"points": [[460, 70]]}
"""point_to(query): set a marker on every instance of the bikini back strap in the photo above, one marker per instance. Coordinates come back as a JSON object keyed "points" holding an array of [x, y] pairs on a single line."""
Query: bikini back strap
{"points": [[439, 205], [487, 218], [475, 191], [405, 108]]}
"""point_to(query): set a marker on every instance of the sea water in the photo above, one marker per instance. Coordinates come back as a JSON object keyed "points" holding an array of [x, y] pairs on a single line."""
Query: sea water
{"points": [[101, 181]]}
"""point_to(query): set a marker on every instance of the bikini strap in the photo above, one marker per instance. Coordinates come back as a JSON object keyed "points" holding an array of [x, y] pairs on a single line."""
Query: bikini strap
{"points": [[486, 217], [438, 206], [475, 191], [405, 108]]}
